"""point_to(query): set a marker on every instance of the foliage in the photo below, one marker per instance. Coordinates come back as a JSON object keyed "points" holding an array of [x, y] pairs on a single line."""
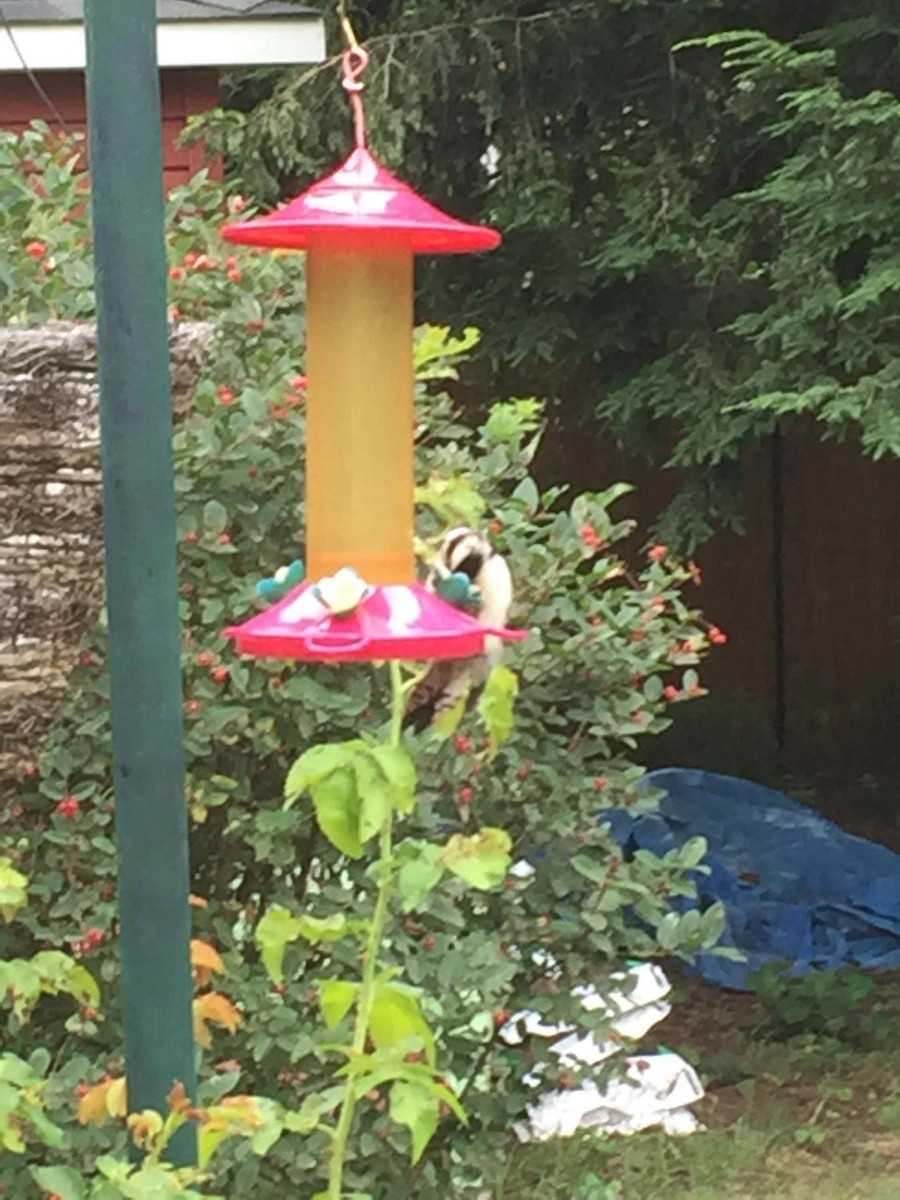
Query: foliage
{"points": [[827, 1005], [700, 242], [612, 646]]}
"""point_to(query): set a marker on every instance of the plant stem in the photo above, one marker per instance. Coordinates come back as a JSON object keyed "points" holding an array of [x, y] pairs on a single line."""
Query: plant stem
{"points": [[370, 960]]}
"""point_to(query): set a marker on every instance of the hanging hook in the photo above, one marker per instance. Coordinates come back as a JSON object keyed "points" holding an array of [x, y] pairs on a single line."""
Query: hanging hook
{"points": [[355, 62]]}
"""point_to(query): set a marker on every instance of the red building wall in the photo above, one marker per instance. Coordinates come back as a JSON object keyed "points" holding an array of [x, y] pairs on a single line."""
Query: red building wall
{"points": [[185, 93]]}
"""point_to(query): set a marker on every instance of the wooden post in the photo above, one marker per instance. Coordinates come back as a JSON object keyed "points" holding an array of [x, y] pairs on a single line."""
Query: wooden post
{"points": [[141, 570]]}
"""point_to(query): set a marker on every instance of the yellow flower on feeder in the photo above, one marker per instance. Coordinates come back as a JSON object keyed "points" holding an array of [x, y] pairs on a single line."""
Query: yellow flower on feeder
{"points": [[343, 592]]}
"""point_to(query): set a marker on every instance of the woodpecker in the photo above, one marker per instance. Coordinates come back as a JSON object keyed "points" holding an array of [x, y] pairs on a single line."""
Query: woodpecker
{"points": [[468, 572]]}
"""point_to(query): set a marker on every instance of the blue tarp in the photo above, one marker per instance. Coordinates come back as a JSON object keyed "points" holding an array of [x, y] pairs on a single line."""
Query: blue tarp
{"points": [[795, 886]]}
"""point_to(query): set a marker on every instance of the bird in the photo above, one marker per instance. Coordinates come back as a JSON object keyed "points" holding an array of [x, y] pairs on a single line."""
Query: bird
{"points": [[468, 572]]}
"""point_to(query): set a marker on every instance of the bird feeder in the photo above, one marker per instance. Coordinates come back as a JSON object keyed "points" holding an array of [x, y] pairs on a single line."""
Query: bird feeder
{"points": [[360, 228]]}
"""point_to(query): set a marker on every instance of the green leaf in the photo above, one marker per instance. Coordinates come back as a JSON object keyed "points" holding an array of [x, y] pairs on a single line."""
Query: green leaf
{"points": [[313, 1108], [66, 1182], [482, 860], [418, 1109], [396, 1018], [337, 804], [447, 723], [417, 878], [316, 764], [399, 768], [336, 998], [276, 930], [215, 517], [51, 1135], [13, 890], [496, 705], [527, 494], [374, 792]]}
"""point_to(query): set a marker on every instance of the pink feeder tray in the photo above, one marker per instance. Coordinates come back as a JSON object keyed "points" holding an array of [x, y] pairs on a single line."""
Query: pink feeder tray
{"points": [[395, 621]]}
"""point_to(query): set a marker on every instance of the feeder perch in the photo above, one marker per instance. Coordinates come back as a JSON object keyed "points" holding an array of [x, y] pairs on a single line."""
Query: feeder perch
{"points": [[360, 228]]}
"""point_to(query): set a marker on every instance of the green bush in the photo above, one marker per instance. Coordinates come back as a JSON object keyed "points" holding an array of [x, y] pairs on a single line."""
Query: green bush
{"points": [[612, 646]]}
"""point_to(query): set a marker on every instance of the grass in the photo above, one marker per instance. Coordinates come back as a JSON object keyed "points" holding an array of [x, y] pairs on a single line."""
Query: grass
{"points": [[803, 1120]]}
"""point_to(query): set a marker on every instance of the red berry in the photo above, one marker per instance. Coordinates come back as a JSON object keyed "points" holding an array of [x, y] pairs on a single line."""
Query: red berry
{"points": [[86, 658], [205, 658], [191, 536], [90, 1014], [590, 537], [17, 811], [190, 260], [94, 936], [224, 539], [238, 204], [462, 743], [525, 770], [36, 249], [81, 1090], [671, 692], [280, 412], [235, 275], [69, 808], [658, 553], [226, 396], [601, 783], [501, 1017], [174, 314], [496, 526], [193, 707], [31, 770], [466, 795], [429, 943], [717, 637], [231, 263], [221, 674], [176, 273], [252, 472], [299, 383]]}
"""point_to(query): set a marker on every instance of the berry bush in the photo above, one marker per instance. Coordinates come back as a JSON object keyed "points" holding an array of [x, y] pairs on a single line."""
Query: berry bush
{"points": [[615, 640]]}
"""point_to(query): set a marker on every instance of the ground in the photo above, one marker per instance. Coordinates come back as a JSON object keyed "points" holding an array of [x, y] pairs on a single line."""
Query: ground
{"points": [[814, 1119]]}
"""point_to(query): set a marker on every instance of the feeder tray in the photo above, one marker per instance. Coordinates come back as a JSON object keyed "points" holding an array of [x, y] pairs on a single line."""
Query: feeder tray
{"points": [[394, 621]]}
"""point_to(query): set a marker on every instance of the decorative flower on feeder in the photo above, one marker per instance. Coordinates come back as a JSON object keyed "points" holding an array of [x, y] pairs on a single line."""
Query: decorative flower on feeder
{"points": [[361, 227]]}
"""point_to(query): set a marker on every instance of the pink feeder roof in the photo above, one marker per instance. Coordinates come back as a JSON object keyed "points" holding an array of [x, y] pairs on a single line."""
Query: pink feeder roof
{"points": [[362, 199], [396, 621]]}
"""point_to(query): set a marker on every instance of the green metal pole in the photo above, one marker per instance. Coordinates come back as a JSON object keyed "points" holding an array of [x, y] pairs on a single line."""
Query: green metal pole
{"points": [[125, 126]]}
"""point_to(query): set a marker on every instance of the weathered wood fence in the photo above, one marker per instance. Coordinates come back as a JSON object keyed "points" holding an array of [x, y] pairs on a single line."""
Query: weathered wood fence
{"points": [[51, 551]]}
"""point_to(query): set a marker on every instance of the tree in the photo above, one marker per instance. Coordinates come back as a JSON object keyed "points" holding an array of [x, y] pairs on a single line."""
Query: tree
{"points": [[700, 239]]}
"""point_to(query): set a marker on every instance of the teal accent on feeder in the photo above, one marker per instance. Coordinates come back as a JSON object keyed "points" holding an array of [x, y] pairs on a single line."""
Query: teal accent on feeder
{"points": [[457, 589], [277, 586]]}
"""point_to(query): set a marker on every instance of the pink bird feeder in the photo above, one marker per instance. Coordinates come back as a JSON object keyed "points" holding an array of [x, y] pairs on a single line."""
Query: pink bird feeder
{"points": [[361, 228]]}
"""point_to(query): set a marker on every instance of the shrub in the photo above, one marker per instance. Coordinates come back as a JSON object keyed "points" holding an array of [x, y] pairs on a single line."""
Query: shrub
{"points": [[612, 646]]}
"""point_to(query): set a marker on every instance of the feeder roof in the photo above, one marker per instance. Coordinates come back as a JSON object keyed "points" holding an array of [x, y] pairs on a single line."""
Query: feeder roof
{"points": [[167, 10], [361, 201], [49, 35], [395, 621]]}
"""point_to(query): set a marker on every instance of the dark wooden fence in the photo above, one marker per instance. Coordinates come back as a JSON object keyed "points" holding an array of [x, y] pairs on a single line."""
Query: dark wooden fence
{"points": [[809, 682]]}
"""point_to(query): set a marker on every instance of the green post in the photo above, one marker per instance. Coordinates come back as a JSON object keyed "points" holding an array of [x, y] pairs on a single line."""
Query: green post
{"points": [[126, 165]]}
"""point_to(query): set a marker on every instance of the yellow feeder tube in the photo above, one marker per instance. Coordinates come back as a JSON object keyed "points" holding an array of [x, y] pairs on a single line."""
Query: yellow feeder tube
{"points": [[360, 412]]}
